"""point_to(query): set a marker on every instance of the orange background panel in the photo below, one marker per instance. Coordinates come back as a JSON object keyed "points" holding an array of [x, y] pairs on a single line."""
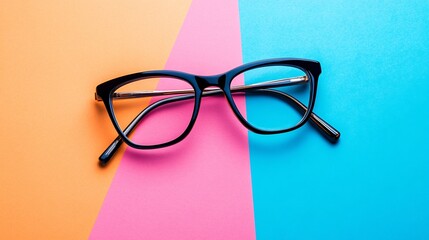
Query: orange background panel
{"points": [[53, 54]]}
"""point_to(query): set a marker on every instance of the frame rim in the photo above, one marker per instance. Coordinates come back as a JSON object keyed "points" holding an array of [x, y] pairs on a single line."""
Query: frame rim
{"points": [[199, 83], [276, 62]]}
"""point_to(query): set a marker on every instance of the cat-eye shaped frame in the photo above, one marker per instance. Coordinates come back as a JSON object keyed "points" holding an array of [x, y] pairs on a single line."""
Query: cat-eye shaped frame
{"points": [[204, 86]]}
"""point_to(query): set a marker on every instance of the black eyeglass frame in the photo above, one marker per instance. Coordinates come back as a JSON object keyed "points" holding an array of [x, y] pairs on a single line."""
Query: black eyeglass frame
{"points": [[312, 69]]}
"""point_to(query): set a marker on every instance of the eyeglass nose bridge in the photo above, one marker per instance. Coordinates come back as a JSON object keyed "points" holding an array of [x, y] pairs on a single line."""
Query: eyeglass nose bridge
{"points": [[211, 81]]}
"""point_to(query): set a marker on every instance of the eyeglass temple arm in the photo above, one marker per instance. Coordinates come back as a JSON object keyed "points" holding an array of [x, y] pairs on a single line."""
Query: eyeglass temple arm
{"points": [[114, 146], [263, 85], [326, 129], [329, 132]]}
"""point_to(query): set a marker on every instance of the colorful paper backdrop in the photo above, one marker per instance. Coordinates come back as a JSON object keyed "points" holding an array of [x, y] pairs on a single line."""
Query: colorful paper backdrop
{"points": [[222, 182], [374, 89], [53, 54]]}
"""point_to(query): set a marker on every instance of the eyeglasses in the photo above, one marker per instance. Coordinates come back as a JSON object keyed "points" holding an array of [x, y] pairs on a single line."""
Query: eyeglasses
{"points": [[156, 109]]}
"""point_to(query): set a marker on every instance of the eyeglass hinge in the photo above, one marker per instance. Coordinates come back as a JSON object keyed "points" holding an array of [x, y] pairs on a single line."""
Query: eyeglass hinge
{"points": [[97, 97]]}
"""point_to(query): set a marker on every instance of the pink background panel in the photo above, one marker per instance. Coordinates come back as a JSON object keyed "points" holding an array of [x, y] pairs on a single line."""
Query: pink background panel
{"points": [[199, 188]]}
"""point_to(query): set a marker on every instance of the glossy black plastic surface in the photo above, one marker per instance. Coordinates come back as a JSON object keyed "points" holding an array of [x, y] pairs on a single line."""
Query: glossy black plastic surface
{"points": [[311, 68]]}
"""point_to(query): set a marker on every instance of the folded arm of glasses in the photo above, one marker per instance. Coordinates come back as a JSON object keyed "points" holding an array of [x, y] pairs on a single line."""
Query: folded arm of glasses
{"points": [[263, 85], [327, 130]]}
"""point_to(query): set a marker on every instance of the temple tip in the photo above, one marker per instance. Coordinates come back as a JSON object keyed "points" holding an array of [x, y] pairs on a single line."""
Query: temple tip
{"points": [[109, 152]]}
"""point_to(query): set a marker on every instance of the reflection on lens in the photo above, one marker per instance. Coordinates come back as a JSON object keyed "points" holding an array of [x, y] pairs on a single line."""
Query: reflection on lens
{"points": [[267, 100], [163, 106]]}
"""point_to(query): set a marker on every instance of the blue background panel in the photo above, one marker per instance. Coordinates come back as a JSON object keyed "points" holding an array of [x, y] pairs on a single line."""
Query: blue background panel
{"points": [[374, 88]]}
